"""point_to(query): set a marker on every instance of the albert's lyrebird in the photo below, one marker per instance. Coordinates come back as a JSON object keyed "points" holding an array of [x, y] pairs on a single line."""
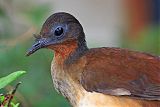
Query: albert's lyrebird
{"points": [[97, 77]]}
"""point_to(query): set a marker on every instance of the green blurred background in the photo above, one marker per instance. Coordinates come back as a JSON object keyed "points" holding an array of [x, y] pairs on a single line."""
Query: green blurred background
{"points": [[20, 19]]}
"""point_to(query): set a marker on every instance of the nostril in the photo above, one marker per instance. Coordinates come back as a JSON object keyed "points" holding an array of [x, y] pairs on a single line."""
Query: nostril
{"points": [[37, 44]]}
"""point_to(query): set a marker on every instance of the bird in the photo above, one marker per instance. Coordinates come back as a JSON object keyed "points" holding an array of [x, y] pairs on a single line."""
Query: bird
{"points": [[97, 77]]}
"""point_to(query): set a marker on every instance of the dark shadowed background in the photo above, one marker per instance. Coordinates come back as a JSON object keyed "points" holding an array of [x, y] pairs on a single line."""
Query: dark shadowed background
{"points": [[133, 24]]}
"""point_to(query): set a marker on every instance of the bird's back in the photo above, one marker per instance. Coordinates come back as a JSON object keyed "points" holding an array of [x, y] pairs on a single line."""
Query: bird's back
{"points": [[132, 77], [124, 62]]}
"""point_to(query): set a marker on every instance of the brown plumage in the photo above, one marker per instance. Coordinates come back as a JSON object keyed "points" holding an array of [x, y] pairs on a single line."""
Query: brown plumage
{"points": [[99, 77]]}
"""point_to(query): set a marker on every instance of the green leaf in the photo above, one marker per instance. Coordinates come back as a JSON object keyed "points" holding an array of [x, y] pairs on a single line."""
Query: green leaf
{"points": [[14, 105], [11, 77], [2, 98]]}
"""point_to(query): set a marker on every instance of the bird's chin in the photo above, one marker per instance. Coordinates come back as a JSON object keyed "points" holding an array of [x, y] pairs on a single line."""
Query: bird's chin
{"points": [[52, 47]]}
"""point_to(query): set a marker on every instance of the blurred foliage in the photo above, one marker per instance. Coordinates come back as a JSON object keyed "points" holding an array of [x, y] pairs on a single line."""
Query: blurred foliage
{"points": [[19, 20], [148, 40], [6, 100], [36, 15]]}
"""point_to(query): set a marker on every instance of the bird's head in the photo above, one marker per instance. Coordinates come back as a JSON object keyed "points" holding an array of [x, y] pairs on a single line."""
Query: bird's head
{"points": [[60, 30]]}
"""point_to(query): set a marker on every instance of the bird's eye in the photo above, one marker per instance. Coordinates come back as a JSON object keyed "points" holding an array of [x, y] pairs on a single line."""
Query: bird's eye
{"points": [[58, 31]]}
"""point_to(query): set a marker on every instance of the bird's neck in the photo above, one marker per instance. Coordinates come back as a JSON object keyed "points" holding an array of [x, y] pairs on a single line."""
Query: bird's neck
{"points": [[67, 53], [67, 66], [78, 52]]}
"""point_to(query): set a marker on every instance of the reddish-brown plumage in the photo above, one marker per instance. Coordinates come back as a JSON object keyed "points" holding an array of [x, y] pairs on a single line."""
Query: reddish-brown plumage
{"points": [[112, 68], [63, 50], [99, 77]]}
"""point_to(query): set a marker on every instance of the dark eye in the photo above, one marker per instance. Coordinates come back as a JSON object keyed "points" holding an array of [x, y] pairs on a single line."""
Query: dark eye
{"points": [[58, 31]]}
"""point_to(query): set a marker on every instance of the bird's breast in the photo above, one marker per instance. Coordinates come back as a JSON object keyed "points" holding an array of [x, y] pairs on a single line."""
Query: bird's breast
{"points": [[65, 85]]}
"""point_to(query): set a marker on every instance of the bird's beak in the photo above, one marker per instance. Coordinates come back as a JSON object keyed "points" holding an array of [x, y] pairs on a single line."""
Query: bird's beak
{"points": [[41, 43]]}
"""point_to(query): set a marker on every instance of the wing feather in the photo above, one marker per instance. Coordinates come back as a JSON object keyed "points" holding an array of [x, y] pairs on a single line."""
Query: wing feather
{"points": [[118, 72]]}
